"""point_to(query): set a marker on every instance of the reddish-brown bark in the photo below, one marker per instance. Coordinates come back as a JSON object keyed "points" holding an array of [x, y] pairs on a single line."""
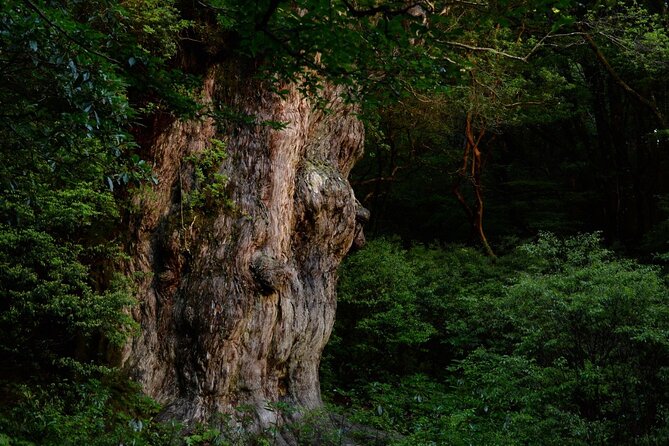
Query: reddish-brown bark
{"points": [[236, 302]]}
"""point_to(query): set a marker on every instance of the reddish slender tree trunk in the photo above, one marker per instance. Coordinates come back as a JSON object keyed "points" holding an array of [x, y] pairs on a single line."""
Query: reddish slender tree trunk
{"points": [[472, 171]]}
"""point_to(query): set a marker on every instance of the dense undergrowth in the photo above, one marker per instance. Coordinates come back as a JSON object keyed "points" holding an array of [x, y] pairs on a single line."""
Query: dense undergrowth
{"points": [[557, 342]]}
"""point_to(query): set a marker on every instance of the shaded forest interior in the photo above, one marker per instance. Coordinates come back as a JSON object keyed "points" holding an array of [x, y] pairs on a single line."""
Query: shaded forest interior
{"points": [[185, 202]]}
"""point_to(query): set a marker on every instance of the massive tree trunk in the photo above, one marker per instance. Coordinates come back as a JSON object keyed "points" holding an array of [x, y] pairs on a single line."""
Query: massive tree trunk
{"points": [[237, 298]]}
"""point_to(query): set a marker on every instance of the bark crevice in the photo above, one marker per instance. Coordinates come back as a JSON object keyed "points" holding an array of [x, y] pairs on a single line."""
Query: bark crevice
{"points": [[237, 305]]}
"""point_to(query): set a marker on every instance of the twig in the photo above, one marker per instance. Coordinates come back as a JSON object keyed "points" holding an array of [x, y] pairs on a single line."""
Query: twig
{"points": [[522, 103], [383, 9]]}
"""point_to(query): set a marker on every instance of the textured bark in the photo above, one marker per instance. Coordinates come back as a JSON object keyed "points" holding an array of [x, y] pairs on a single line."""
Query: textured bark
{"points": [[237, 302]]}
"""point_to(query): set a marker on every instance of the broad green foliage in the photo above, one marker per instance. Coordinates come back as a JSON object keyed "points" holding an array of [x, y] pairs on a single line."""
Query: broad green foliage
{"points": [[379, 311], [557, 343], [387, 50], [64, 151], [72, 414], [402, 312], [640, 38], [157, 23], [61, 136], [64, 148]]}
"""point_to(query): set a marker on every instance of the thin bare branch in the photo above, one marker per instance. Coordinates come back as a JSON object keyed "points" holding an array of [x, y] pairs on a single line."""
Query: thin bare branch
{"points": [[485, 49], [381, 9], [522, 104], [541, 43], [624, 85]]}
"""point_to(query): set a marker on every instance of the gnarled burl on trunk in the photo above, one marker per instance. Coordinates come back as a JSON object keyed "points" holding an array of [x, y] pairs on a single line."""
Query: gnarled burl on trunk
{"points": [[237, 299]]}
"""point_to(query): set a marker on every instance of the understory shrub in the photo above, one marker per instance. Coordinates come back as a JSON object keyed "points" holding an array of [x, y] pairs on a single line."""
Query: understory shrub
{"points": [[559, 342]]}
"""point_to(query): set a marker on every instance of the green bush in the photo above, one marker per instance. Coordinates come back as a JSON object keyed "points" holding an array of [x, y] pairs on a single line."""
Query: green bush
{"points": [[95, 413], [560, 342]]}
